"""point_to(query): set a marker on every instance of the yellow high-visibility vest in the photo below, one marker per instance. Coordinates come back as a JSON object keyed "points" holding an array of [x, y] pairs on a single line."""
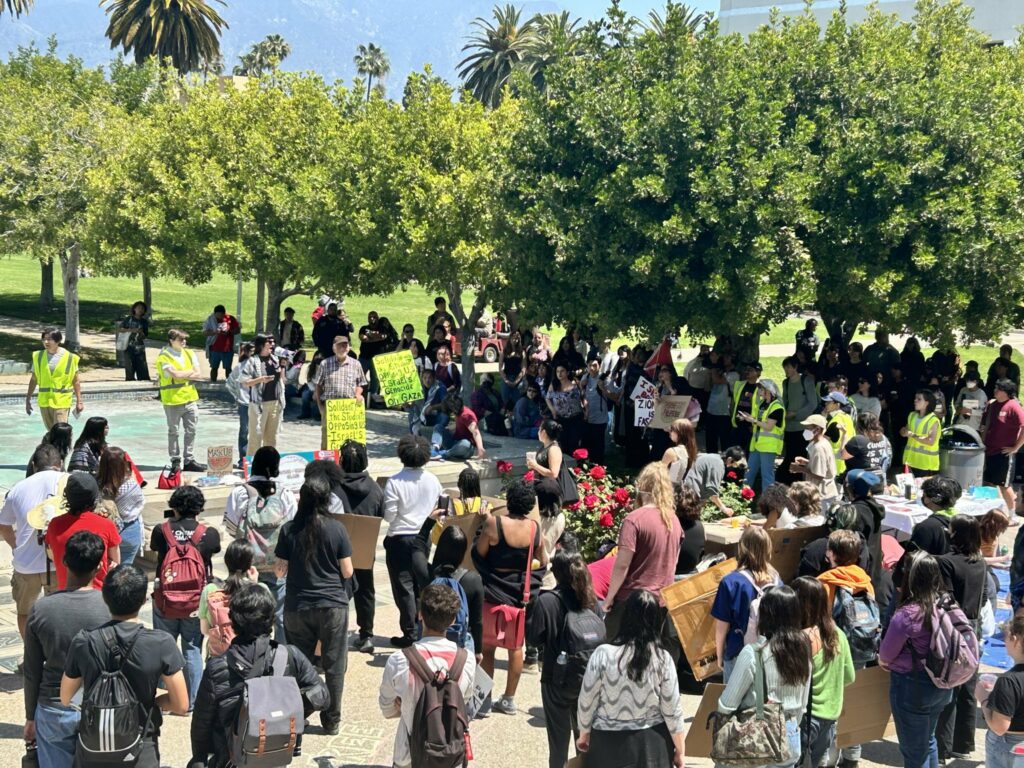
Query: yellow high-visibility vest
{"points": [[737, 392], [845, 424], [917, 455], [176, 391], [55, 387], [765, 440]]}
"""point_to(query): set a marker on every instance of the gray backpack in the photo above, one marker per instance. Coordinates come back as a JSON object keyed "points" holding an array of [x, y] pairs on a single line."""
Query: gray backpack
{"points": [[270, 715]]}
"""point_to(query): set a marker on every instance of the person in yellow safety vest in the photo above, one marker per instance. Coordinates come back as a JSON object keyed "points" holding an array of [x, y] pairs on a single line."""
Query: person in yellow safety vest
{"points": [[922, 433], [177, 367], [840, 426], [767, 426], [744, 400], [55, 371]]}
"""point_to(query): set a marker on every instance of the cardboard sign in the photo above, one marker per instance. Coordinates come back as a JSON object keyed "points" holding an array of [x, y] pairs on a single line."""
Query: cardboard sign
{"points": [[292, 472], [470, 525], [363, 531], [689, 603], [786, 546], [482, 685], [668, 409], [399, 381], [865, 717], [643, 388], [220, 460], [346, 420], [643, 402]]}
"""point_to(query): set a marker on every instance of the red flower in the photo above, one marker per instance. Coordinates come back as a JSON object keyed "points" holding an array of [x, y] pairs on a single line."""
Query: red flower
{"points": [[598, 472], [590, 501], [747, 493], [576, 470], [504, 467], [606, 520], [573, 507], [580, 454], [585, 486], [731, 476], [621, 495], [529, 476]]}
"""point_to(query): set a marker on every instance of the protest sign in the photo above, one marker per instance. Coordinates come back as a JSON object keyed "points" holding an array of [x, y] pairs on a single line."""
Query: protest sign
{"points": [[482, 685], [668, 409], [291, 474], [219, 460], [787, 544], [362, 532], [689, 604], [346, 420], [399, 381], [643, 403]]}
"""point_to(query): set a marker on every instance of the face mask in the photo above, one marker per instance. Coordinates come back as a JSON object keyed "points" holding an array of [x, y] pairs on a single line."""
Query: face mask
{"points": [[972, 385], [808, 435]]}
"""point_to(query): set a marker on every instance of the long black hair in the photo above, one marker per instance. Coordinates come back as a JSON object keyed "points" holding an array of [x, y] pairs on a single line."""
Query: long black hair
{"points": [[570, 571], [450, 550], [965, 537], [94, 434], [266, 462], [238, 559], [59, 437], [314, 507], [780, 620], [640, 632]]}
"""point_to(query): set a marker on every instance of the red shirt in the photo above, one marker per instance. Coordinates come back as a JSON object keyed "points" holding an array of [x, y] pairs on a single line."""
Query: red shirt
{"points": [[601, 575], [655, 551], [1003, 422], [224, 341], [62, 528], [462, 422]]}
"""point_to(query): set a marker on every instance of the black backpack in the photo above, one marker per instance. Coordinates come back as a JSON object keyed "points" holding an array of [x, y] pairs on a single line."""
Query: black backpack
{"points": [[437, 738], [112, 725], [582, 631], [857, 616]]}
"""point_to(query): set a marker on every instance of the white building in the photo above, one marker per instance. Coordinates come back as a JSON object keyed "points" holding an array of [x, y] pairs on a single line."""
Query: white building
{"points": [[999, 19]]}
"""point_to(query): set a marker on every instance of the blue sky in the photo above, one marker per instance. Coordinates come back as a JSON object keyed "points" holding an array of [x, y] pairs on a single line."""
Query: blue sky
{"points": [[595, 8]]}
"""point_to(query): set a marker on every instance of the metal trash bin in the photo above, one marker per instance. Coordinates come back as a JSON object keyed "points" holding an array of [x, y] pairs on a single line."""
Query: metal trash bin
{"points": [[962, 455]]}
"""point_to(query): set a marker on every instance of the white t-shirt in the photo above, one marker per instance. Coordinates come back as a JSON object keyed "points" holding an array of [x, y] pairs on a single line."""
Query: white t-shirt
{"points": [[29, 554]]}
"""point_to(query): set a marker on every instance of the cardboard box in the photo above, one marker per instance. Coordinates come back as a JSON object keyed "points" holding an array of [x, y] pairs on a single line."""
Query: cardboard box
{"points": [[786, 547], [689, 604], [363, 531]]}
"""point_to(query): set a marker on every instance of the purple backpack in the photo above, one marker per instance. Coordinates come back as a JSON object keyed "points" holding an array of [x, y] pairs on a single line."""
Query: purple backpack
{"points": [[953, 652]]}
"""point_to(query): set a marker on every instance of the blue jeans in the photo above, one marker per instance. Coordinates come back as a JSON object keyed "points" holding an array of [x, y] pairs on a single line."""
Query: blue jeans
{"points": [[727, 666], [243, 430], [793, 738], [222, 359], [56, 734], [276, 587], [763, 464], [997, 750], [131, 540], [308, 411], [452, 449], [916, 705], [509, 395], [191, 648]]}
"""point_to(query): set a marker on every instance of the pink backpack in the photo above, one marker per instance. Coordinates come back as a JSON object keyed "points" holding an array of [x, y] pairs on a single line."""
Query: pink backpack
{"points": [[221, 631], [183, 576]]}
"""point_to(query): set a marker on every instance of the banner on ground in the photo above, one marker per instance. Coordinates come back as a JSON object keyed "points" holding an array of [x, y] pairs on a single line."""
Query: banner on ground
{"points": [[346, 420], [292, 471], [689, 604], [399, 381], [643, 402], [668, 409]]}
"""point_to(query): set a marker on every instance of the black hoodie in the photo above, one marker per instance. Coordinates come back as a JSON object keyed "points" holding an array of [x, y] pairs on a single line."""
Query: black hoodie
{"points": [[363, 495]]}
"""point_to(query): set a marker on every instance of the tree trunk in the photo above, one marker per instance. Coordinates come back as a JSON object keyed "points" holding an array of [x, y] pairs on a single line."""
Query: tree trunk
{"points": [[46, 285], [467, 334], [746, 348], [70, 260], [147, 293], [275, 295], [839, 330], [260, 302]]}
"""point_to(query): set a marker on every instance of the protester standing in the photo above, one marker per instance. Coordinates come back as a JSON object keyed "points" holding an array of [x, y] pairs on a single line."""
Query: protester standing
{"points": [[263, 376], [800, 398], [1003, 431], [136, 327], [177, 369], [118, 483], [220, 330], [339, 377], [55, 371], [290, 333], [328, 328]]}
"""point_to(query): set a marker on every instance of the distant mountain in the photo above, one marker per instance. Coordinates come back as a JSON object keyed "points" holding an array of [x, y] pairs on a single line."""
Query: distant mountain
{"points": [[323, 33]]}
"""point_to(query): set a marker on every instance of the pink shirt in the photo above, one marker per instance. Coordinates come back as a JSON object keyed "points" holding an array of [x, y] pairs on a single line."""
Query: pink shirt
{"points": [[655, 551]]}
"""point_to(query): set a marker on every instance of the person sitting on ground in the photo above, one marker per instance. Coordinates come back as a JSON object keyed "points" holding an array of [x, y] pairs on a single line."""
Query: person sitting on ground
{"points": [[82, 494], [429, 412], [806, 511], [400, 689], [487, 405], [214, 621], [526, 414], [252, 611], [150, 659], [463, 435], [52, 624]]}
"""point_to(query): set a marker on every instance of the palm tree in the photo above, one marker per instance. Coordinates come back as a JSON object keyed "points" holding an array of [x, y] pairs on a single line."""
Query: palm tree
{"points": [[686, 17], [214, 66], [497, 50], [370, 60], [554, 37], [17, 7], [250, 64], [185, 31], [274, 49]]}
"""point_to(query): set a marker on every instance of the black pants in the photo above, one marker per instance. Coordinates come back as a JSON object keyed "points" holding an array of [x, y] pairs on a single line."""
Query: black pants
{"points": [[572, 434], [329, 627], [716, 432], [593, 441], [560, 717], [365, 599], [647, 748], [955, 731], [740, 435], [793, 445], [407, 569], [135, 368]]}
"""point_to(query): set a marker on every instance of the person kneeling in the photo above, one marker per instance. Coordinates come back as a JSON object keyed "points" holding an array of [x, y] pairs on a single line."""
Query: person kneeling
{"points": [[252, 610]]}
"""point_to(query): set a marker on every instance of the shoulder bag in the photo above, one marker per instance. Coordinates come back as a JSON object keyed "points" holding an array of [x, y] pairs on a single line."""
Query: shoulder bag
{"points": [[505, 625]]}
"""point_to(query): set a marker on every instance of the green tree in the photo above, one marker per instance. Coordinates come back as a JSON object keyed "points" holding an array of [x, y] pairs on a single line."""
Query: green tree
{"points": [[678, 17], [184, 31], [17, 7], [496, 50], [555, 35], [370, 60]]}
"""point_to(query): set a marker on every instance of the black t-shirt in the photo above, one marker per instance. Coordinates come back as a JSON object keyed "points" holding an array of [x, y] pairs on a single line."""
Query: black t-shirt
{"points": [[317, 583], [746, 399], [1007, 697], [370, 349], [967, 581], [932, 534], [154, 655], [208, 544], [270, 388], [691, 548]]}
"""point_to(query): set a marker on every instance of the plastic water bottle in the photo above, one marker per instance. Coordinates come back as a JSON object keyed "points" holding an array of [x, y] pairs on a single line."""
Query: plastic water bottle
{"points": [[562, 659]]}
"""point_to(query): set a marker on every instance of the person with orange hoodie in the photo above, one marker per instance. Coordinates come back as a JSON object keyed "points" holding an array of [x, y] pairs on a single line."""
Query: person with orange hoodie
{"points": [[852, 598]]}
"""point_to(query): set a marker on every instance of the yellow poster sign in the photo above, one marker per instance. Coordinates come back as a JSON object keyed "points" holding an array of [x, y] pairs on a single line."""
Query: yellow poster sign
{"points": [[399, 381], [346, 420]]}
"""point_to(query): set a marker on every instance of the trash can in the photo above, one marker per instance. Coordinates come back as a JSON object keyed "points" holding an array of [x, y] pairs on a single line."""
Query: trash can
{"points": [[962, 455]]}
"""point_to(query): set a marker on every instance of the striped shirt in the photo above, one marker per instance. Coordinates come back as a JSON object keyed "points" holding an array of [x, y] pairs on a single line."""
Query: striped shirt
{"points": [[610, 701]]}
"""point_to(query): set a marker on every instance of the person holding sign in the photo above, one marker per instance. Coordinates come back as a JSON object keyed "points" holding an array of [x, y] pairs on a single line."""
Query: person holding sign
{"points": [[338, 378]]}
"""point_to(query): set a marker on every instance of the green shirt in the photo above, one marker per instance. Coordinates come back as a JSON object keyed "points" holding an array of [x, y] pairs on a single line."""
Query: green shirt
{"points": [[828, 680]]}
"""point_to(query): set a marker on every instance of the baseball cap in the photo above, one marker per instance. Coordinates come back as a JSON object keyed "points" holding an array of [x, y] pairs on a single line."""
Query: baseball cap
{"points": [[836, 397], [755, 365], [862, 481], [81, 490], [815, 420]]}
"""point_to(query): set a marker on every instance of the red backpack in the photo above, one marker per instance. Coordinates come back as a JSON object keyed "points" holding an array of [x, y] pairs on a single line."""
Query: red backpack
{"points": [[182, 577], [221, 631]]}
